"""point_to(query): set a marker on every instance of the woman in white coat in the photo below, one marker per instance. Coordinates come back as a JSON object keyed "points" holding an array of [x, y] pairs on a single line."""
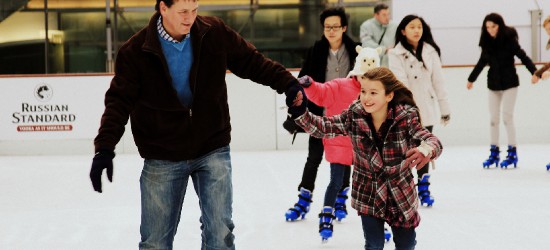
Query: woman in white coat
{"points": [[416, 62]]}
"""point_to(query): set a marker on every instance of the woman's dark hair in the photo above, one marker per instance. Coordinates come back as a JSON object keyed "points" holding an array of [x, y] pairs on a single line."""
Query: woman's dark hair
{"points": [[505, 33], [426, 37], [339, 11]]}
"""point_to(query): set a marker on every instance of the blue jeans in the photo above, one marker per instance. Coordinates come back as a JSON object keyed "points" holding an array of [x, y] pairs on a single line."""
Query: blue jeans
{"points": [[336, 180], [373, 229], [163, 185]]}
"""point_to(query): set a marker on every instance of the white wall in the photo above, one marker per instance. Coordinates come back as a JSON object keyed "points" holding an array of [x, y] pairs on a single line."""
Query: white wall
{"points": [[257, 113], [456, 25]]}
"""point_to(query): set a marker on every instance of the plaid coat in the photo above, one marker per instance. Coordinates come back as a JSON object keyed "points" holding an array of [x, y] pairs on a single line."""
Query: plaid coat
{"points": [[382, 187]]}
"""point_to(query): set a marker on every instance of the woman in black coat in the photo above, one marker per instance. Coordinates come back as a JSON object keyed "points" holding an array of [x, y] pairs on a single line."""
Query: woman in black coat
{"points": [[499, 45]]}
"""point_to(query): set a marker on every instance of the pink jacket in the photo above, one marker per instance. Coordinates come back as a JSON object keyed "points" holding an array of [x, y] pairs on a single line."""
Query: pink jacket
{"points": [[335, 96]]}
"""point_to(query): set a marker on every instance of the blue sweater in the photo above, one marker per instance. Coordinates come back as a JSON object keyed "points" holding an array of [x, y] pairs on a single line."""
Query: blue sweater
{"points": [[179, 57]]}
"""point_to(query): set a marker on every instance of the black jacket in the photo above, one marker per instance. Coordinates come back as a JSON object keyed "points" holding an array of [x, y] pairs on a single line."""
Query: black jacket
{"points": [[502, 71], [315, 63]]}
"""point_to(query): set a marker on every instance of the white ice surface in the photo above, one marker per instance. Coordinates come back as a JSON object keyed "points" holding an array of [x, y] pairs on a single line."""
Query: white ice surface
{"points": [[47, 202]]}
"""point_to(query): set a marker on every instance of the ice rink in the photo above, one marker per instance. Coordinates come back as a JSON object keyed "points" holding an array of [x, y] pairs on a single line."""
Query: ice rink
{"points": [[47, 202]]}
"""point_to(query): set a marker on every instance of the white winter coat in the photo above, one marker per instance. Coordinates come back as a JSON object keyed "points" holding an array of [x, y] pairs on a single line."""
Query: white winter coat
{"points": [[425, 82]]}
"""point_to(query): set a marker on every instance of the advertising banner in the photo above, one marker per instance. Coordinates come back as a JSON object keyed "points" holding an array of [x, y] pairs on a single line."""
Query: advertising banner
{"points": [[44, 108]]}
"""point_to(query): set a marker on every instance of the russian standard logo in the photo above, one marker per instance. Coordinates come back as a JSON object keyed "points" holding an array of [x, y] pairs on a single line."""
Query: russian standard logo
{"points": [[43, 92]]}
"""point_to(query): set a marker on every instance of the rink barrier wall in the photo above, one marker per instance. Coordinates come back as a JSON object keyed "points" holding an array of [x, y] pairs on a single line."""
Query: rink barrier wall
{"points": [[257, 113]]}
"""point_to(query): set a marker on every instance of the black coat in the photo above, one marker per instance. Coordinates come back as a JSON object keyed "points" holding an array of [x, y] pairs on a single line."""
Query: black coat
{"points": [[502, 71], [315, 63]]}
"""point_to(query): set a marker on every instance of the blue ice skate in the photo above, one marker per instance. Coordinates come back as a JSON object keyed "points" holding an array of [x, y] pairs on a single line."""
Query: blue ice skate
{"points": [[301, 208], [325, 223], [548, 167], [340, 206], [424, 192], [511, 158], [387, 234], [494, 157]]}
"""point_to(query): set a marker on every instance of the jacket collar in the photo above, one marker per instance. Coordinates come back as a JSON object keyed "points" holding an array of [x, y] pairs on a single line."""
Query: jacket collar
{"points": [[395, 112], [400, 112], [152, 43], [400, 50]]}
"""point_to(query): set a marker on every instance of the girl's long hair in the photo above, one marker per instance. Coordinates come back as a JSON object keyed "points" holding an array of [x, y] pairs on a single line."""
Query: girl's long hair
{"points": [[425, 38], [504, 34], [401, 94]]}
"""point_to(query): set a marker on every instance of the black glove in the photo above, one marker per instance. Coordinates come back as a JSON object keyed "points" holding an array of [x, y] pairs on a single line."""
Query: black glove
{"points": [[102, 159], [296, 111], [292, 93], [290, 125]]}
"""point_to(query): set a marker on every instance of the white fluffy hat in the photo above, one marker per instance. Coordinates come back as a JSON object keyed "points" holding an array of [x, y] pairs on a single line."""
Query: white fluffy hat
{"points": [[367, 58]]}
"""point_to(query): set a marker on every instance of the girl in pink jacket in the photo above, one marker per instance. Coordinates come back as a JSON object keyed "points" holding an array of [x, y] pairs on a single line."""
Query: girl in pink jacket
{"points": [[335, 96]]}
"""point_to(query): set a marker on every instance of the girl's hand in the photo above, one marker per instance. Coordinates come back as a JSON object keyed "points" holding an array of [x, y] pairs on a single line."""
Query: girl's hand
{"points": [[469, 85], [419, 156], [417, 159], [534, 79], [546, 75]]}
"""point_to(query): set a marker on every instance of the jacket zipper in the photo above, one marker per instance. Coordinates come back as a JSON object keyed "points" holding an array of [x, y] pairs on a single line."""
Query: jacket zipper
{"points": [[168, 73], [195, 85]]}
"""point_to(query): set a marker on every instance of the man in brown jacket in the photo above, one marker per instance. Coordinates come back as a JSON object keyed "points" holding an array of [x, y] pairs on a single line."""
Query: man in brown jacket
{"points": [[170, 81]]}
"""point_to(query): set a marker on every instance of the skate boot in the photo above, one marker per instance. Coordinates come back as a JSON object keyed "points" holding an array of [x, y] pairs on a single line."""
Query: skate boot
{"points": [[494, 157], [424, 192], [387, 234], [325, 223], [340, 206], [548, 167], [301, 208], [511, 158]]}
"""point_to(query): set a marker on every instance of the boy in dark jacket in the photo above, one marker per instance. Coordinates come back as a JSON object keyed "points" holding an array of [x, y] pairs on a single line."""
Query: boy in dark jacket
{"points": [[331, 57]]}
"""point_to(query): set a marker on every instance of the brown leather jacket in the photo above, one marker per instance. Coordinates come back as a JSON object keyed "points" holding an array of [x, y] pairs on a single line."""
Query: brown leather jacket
{"points": [[141, 89]]}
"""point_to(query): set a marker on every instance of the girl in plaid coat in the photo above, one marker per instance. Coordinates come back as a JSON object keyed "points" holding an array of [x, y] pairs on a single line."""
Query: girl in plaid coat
{"points": [[384, 126]]}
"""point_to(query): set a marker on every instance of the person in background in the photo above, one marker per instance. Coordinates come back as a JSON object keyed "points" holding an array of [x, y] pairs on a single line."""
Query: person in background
{"points": [[416, 62], [499, 47], [170, 81], [329, 58], [385, 130], [544, 72], [379, 32]]}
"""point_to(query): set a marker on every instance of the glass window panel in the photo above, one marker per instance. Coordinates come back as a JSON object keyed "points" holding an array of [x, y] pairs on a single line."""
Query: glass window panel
{"points": [[281, 33]]}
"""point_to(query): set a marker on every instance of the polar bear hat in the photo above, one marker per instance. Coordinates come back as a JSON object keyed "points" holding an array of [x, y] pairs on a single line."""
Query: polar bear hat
{"points": [[367, 58]]}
